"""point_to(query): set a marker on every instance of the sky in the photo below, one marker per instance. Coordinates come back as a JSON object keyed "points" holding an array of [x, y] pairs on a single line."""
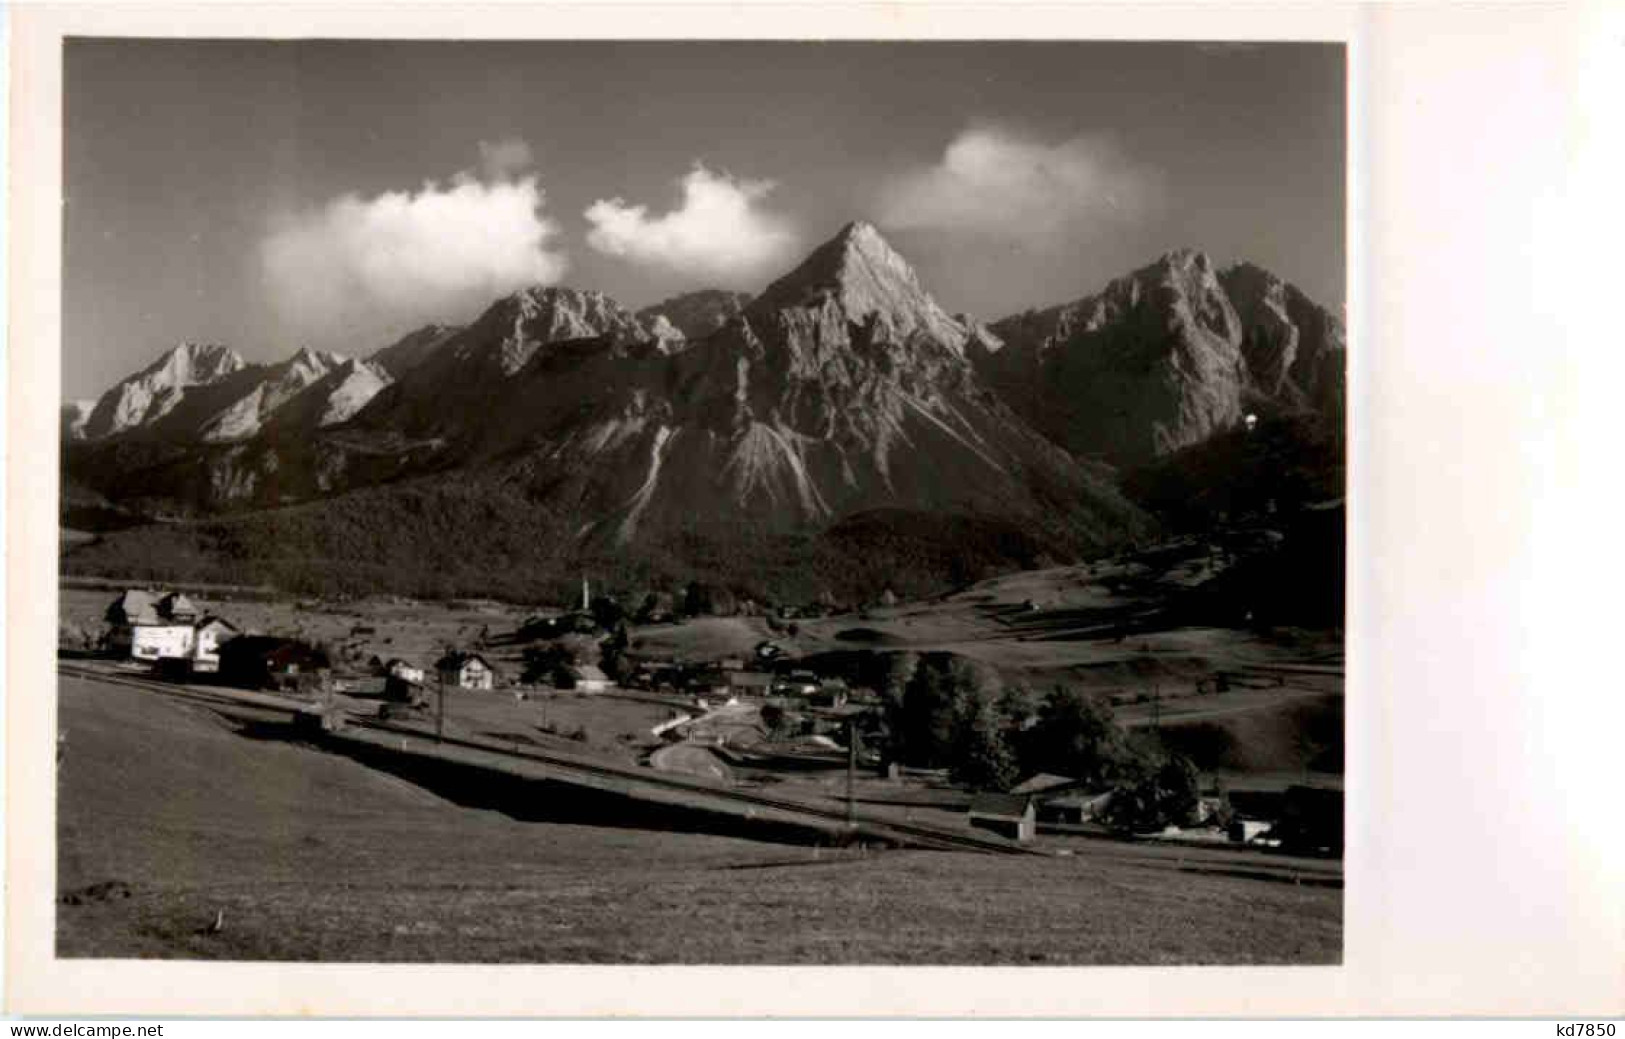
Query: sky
{"points": [[337, 194]]}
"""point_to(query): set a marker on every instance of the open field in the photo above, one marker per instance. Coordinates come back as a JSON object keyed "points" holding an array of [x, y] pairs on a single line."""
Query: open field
{"points": [[173, 814]]}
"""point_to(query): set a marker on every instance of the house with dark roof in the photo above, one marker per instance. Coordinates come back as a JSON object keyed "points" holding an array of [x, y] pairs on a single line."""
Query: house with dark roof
{"points": [[1008, 815]]}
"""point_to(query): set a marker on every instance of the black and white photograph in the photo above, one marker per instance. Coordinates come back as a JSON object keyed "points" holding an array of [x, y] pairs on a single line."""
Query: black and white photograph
{"points": [[794, 515], [702, 502]]}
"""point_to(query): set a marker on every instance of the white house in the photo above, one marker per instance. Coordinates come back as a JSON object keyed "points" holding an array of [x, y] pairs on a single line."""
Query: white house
{"points": [[162, 640], [146, 628], [465, 671], [209, 634]]}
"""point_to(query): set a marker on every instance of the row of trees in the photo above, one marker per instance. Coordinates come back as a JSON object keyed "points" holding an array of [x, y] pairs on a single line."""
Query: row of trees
{"points": [[944, 711]]}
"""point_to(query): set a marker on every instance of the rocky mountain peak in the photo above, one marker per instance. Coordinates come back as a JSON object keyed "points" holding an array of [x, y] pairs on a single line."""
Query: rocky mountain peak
{"points": [[308, 365], [860, 274], [153, 392], [312, 357], [191, 364], [516, 326]]}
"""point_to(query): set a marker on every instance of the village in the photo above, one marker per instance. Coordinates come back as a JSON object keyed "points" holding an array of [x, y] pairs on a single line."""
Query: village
{"points": [[770, 700]]}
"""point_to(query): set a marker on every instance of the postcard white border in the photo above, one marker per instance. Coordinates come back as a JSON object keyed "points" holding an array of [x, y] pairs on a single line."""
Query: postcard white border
{"points": [[1548, 935]]}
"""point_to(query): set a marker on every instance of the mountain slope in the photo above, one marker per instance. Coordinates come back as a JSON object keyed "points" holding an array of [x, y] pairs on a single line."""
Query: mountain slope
{"points": [[697, 314], [1296, 350], [278, 385], [410, 350], [334, 398]]}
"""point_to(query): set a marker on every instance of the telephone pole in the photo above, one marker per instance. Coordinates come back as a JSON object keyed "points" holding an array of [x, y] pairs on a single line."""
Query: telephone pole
{"points": [[851, 770], [440, 712]]}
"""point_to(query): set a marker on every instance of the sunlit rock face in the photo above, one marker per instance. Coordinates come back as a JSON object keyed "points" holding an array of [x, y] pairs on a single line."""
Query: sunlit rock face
{"points": [[1164, 358]]}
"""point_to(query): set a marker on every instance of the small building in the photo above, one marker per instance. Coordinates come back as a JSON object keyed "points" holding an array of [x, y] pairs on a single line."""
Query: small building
{"points": [[1008, 815], [465, 671], [258, 661], [210, 634], [1062, 799], [587, 678], [405, 670]]}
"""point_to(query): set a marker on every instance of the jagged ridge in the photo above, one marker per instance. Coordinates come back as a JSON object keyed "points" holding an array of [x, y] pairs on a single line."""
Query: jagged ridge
{"points": [[1164, 358]]}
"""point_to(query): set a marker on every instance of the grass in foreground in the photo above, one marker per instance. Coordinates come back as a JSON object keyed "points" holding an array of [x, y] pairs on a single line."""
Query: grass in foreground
{"points": [[306, 856]]}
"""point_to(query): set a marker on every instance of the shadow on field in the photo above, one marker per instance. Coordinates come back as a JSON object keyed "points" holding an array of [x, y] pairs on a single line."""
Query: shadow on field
{"points": [[550, 801]]}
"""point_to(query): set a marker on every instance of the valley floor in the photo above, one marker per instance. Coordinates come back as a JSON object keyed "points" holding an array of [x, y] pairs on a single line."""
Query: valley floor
{"points": [[183, 835]]}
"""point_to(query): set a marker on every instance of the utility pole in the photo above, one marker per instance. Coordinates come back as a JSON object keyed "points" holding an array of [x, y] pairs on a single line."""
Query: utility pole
{"points": [[440, 712], [851, 769]]}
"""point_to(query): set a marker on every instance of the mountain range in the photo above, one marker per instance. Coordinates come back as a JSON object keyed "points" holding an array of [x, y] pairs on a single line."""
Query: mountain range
{"points": [[708, 425]]}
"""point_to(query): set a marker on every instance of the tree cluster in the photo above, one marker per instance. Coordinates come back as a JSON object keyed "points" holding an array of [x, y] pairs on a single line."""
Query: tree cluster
{"points": [[944, 711]]}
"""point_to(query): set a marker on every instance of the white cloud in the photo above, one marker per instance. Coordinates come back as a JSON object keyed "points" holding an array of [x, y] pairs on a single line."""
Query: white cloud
{"points": [[995, 182], [368, 266], [720, 231]]}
